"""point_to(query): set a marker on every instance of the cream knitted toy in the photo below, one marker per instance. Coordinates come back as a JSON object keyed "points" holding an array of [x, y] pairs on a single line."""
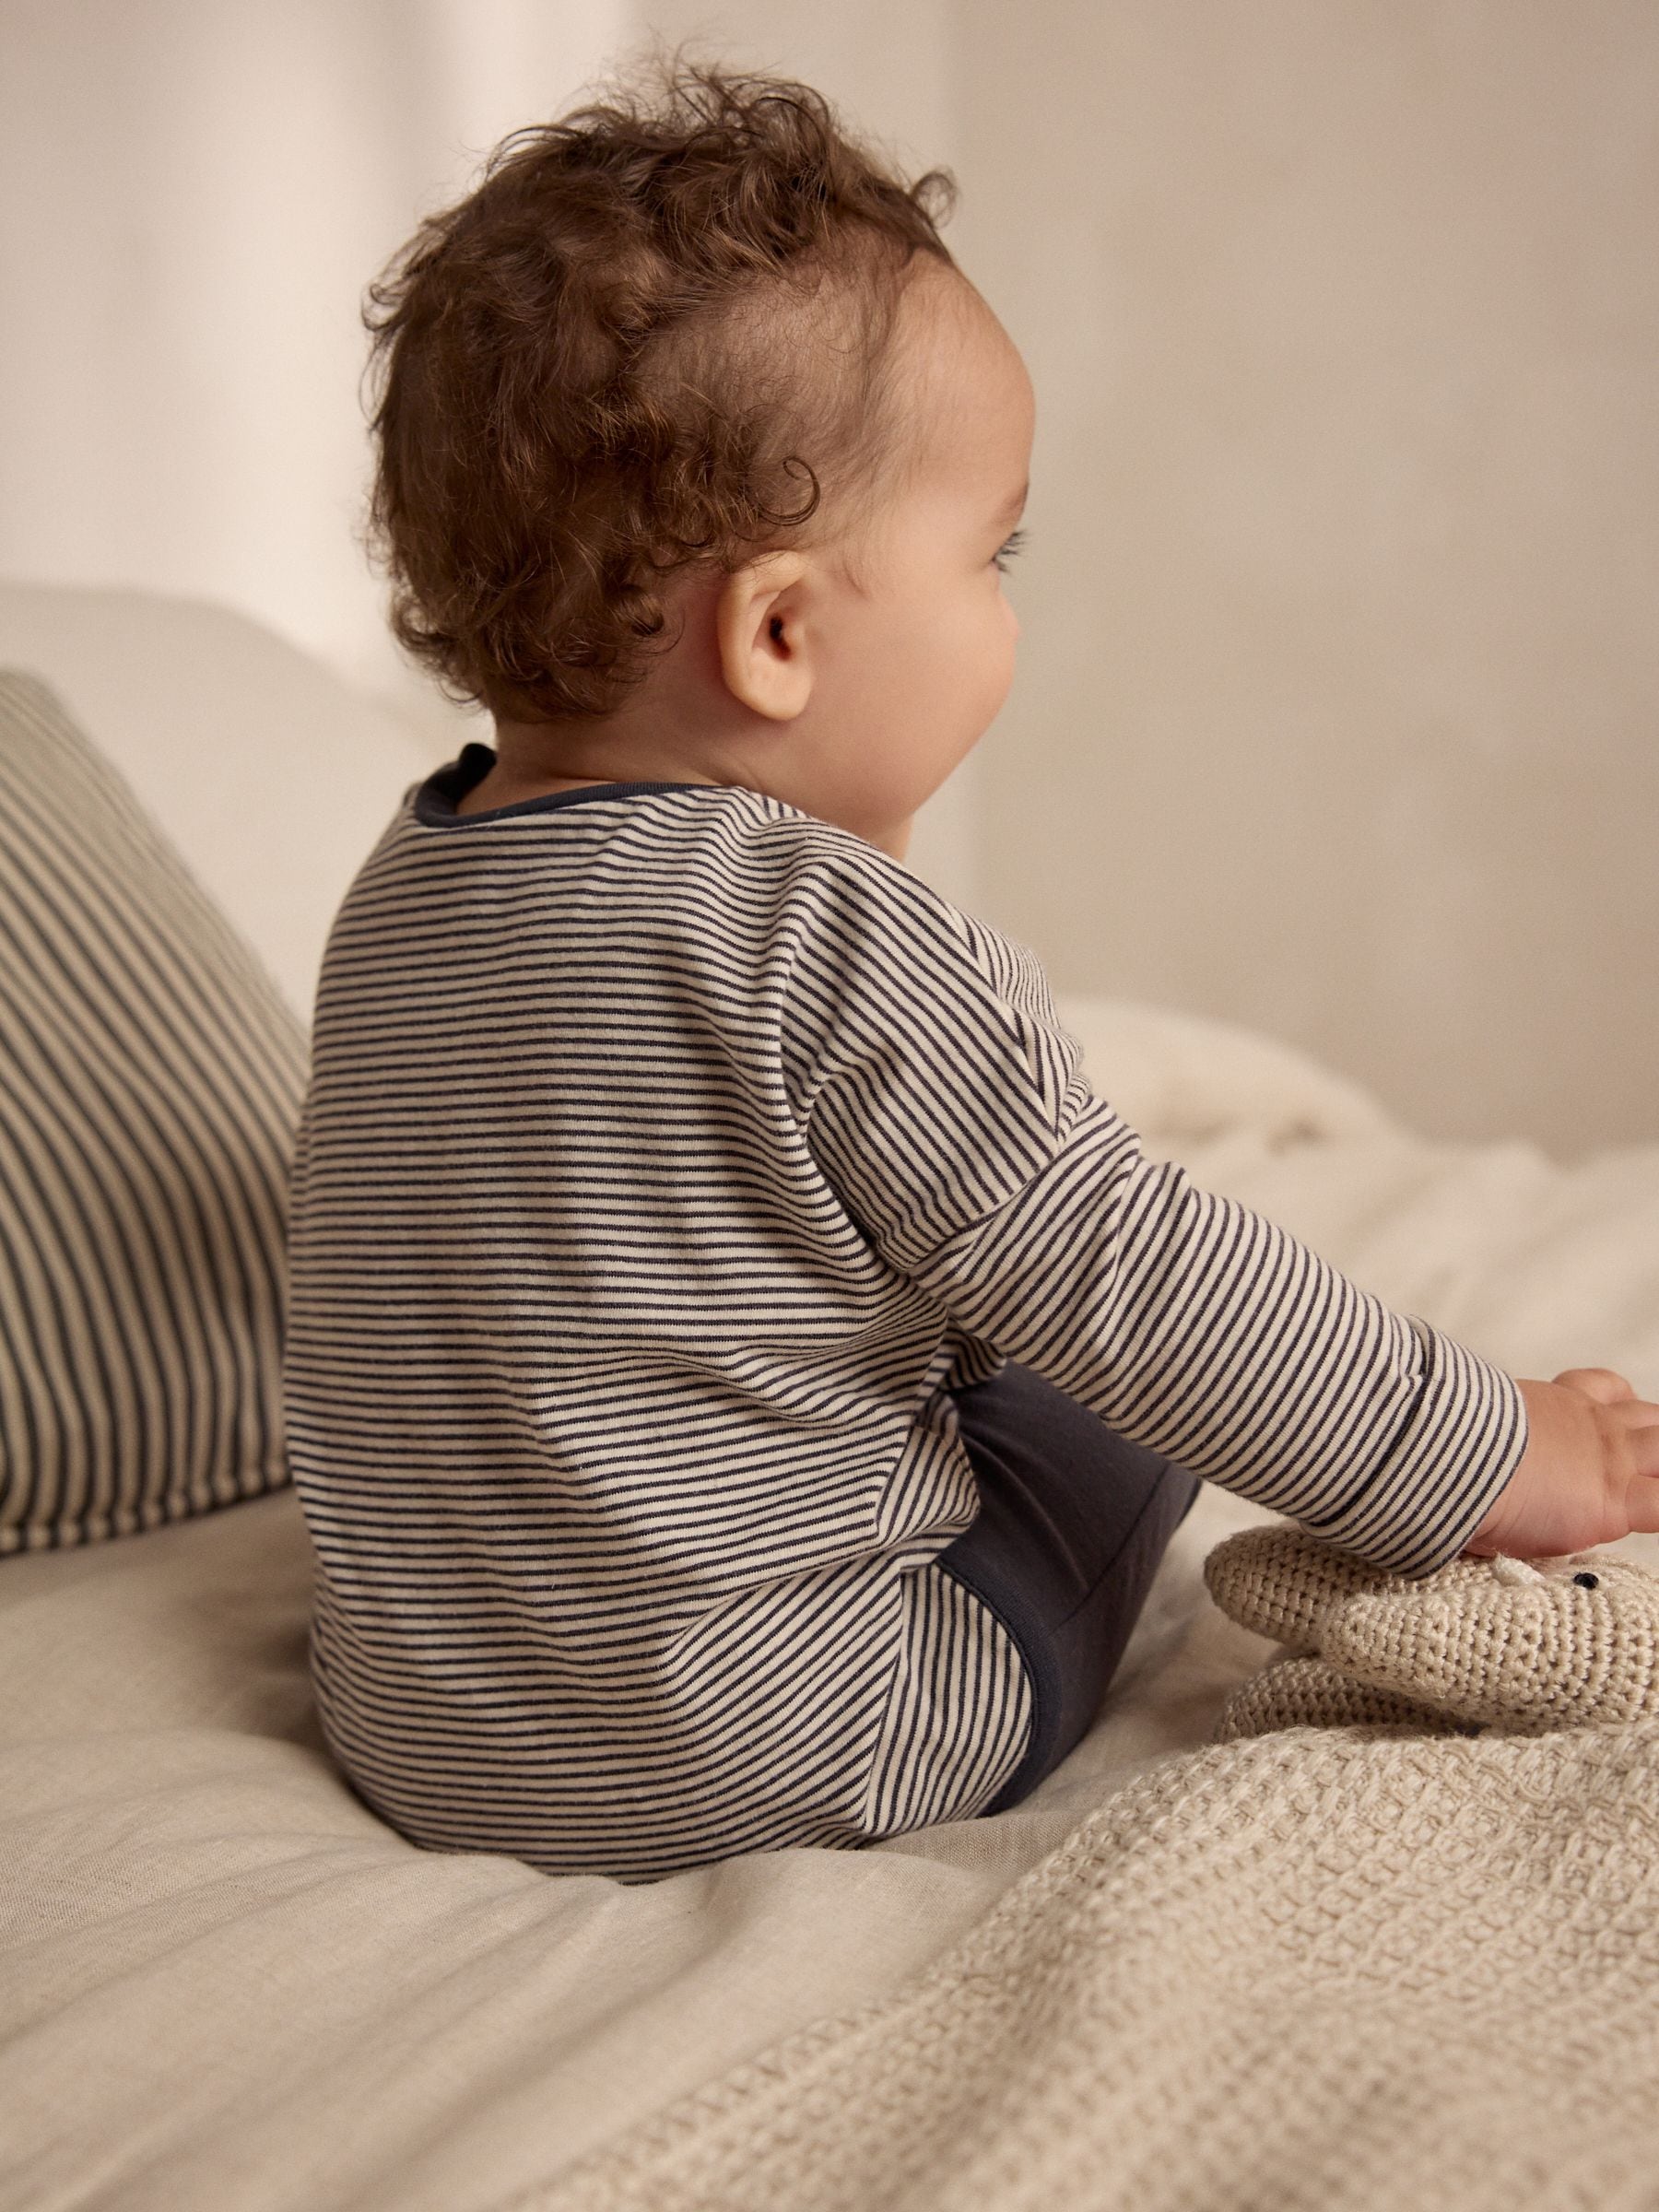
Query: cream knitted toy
{"points": [[1519, 1645]]}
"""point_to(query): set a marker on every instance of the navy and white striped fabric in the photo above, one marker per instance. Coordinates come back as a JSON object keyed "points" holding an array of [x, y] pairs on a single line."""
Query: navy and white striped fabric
{"points": [[668, 1152], [150, 1079]]}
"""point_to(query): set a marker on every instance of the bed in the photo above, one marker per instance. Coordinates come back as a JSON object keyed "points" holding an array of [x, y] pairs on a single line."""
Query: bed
{"points": [[1330, 1967]]}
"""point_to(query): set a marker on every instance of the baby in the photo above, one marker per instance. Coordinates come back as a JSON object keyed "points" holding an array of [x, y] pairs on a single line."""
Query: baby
{"points": [[741, 1379]]}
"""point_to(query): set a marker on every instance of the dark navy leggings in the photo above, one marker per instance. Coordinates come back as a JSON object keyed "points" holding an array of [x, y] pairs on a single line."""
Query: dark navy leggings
{"points": [[1073, 1522]]}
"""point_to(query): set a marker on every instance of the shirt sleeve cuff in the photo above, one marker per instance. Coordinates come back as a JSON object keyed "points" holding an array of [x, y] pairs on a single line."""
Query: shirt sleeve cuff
{"points": [[1443, 1474]]}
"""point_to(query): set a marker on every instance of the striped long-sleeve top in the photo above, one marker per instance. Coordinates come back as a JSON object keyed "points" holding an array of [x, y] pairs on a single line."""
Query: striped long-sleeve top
{"points": [[669, 1156]]}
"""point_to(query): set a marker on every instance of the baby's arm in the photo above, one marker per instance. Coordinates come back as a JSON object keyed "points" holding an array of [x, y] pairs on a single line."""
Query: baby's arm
{"points": [[1589, 1475], [1201, 1329], [949, 1109]]}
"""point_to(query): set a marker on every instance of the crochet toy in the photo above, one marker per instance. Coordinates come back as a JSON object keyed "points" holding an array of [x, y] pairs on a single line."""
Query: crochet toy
{"points": [[1524, 1647]]}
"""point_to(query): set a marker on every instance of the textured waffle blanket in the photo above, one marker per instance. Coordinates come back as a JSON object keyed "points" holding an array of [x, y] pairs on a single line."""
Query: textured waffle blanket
{"points": [[1353, 1967]]}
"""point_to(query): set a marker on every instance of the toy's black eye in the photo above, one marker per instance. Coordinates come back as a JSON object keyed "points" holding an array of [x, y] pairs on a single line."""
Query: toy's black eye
{"points": [[1588, 1582]]}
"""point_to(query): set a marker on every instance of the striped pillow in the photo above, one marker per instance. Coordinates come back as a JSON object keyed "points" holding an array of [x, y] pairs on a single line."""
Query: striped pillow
{"points": [[150, 1079]]}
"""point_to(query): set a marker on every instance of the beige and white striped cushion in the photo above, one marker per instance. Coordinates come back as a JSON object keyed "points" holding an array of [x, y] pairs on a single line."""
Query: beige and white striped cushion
{"points": [[150, 1079]]}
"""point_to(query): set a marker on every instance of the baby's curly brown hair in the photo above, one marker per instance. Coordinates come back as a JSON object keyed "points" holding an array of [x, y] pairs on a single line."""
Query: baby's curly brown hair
{"points": [[655, 336]]}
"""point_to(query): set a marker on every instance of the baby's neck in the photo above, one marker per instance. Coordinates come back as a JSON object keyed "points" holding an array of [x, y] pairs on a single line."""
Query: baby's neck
{"points": [[562, 755], [535, 760]]}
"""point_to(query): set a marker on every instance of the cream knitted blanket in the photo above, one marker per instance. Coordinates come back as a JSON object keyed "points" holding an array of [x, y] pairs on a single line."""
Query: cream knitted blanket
{"points": [[1325, 1968]]}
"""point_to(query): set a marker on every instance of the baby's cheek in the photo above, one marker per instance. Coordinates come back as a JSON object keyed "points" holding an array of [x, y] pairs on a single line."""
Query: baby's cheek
{"points": [[997, 660]]}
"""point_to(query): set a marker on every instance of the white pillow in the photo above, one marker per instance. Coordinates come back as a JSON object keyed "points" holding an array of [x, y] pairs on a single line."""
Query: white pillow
{"points": [[270, 775]]}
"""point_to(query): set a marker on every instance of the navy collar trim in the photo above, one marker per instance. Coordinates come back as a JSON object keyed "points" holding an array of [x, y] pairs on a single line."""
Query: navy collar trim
{"points": [[437, 797]]}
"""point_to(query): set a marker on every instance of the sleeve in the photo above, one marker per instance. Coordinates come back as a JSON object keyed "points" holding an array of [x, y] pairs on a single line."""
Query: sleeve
{"points": [[945, 1106]]}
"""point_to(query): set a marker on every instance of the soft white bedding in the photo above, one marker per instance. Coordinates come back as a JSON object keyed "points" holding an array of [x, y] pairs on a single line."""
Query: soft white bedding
{"points": [[225, 1983]]}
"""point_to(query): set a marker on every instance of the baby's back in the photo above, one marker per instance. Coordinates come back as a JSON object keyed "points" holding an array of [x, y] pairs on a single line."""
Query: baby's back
{"points": [[619, 1446]]}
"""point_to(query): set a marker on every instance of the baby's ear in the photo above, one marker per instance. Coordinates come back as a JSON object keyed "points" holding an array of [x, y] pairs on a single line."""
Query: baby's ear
{"points": [[1281, 1581], [763, 635]]}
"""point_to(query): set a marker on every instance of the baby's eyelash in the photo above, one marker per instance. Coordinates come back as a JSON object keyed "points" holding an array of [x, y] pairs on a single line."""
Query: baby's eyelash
{"points": [[1010, 546]]}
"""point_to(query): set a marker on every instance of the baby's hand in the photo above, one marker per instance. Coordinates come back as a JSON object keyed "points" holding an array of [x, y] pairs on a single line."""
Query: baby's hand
{"points": [[1590, 1473]]}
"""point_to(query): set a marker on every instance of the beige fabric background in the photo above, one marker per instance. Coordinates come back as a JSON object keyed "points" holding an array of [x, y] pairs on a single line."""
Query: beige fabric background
{"points": [[1340, 665]]}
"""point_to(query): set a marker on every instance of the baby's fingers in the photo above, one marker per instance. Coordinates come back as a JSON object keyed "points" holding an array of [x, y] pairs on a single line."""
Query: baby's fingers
{"points": [[1639, 1423], [1634, 1461], [1598, 1382]]}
